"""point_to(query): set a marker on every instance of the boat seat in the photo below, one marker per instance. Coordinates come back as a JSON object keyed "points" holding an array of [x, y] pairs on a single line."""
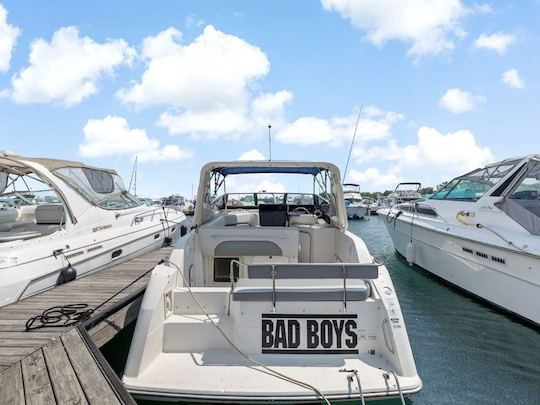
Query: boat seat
{"points": [[50, 214], [303, 219], [314, 271], [289, 290]]}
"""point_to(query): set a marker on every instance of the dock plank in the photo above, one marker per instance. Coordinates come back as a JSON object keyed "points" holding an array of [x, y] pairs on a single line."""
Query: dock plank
{"points": [[36, 354], [12, 386], [94, 384], [37, 386], [65, 383]]}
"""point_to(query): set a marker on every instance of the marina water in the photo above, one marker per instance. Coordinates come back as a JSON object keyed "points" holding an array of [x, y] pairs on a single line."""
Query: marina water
{"points": [[466, 352]]}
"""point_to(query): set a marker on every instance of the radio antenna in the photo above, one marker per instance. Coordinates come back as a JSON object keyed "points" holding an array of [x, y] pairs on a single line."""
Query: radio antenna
{"points": [[352, 143], [133, 179], [270, 141]]}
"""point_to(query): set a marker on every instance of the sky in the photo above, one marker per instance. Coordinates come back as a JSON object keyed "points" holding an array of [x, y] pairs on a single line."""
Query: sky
{"points": [[441, 86]]}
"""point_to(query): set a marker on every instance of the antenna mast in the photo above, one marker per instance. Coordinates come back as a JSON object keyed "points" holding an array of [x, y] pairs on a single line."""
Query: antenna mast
{"points": [[352, 142], [270, 140], [133, 179]]}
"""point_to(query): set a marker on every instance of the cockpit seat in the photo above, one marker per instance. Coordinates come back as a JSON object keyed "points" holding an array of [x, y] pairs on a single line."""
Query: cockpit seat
{"points": [[308, 290], [303, 219], [50, 214]]}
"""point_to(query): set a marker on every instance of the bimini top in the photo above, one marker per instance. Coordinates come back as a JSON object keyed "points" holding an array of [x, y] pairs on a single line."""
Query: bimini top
{"points": [[18, 162], [216, 169], [265, 166]]}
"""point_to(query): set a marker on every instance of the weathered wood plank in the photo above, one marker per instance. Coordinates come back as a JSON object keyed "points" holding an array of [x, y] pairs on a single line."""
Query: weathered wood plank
{"points": [[93, 383], [65, 383], [12, 386], [37, 386], [104, 331]]}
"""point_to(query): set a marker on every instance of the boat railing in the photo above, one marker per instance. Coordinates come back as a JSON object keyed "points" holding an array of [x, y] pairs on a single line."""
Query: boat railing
{"points": [[305, 271]]}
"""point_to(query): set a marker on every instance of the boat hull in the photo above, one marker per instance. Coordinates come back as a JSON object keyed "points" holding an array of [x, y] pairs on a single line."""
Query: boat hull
{"points": [[502, 277], [355, 212]]}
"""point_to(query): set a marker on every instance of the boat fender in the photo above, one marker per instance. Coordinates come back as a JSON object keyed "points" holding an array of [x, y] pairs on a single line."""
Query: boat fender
{"points": [[183, 230], [411, 253], [66, 275]]}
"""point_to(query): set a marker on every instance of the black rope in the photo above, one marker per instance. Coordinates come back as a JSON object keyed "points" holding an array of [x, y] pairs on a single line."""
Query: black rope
{"points": [[71, 314], [60, 316]]}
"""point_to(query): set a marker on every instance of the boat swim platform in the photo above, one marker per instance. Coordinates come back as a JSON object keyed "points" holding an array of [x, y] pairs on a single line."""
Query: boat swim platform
{"points": [[63, 365]]}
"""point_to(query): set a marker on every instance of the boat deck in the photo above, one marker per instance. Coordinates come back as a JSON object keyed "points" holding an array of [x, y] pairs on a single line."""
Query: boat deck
{"points": [[56, 364]]}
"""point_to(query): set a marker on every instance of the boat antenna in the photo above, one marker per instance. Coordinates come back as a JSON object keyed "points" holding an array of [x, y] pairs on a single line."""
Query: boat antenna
{"points": [[270, 141], [133, 179], [352, 142]]}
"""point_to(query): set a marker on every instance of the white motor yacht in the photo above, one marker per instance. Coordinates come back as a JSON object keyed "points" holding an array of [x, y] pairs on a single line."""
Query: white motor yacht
{"points": [[60, 220], [481, 233], [405, 192], [270, 299], [356, 209]]}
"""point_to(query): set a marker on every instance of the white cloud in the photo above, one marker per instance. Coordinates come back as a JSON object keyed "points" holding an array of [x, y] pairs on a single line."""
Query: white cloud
{"points": [[67, 69], [253, 183], [374, 177], [431, 26], [513, 79], [498, 42], [112, 136], [458, 101], [374, 124], [252, 154], [435, 157], [207, 85], [8, 39]]}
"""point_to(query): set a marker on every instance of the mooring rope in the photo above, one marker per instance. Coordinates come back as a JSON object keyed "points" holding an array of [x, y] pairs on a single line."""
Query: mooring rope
{"points": [[266, 369]]}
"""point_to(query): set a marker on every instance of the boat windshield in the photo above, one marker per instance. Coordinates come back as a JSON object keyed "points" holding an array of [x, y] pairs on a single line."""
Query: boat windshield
{"points": [[315, 192], [473, 185], [100, 187]]}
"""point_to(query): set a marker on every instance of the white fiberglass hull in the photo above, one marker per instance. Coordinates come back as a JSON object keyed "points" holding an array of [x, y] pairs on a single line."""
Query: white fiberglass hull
{"points": [[475, 267], [35, 268]]}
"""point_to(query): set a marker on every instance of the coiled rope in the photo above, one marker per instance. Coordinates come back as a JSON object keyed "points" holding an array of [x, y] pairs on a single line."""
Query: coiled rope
{"points": [[61, 316]]}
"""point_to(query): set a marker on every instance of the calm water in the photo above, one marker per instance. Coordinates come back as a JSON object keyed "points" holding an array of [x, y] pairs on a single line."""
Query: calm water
{"points": [[466, 352]]}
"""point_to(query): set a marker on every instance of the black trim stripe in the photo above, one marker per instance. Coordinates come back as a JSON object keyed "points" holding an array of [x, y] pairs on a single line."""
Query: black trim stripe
{"points": [[312, 351], [310, 316]]}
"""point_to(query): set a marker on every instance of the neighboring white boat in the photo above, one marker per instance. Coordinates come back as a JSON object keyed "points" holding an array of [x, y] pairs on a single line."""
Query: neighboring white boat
{"points": [[354, 205], [404, 193], [61, 220], [481, 232], [269, 299]]}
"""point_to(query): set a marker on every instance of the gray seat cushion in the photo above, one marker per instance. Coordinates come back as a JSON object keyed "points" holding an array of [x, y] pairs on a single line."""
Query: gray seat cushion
{"points": [[357, 290]]}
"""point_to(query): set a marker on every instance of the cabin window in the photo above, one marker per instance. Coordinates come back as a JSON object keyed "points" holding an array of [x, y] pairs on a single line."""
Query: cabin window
{"points": [[222, 269]]}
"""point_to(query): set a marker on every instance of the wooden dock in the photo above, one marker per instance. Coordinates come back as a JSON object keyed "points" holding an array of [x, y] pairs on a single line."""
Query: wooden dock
{"points": [[60, 364]]}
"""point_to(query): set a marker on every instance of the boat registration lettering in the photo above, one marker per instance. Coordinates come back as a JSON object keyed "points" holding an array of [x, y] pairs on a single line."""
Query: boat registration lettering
{"points": [[308, 334]]}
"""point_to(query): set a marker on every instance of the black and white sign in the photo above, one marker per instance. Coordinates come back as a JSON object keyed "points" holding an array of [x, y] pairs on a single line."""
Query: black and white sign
{"points": [[309, 334]]}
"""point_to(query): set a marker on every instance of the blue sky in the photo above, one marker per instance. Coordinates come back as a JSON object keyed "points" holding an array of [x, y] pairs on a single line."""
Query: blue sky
{"points": [[445, 85]]}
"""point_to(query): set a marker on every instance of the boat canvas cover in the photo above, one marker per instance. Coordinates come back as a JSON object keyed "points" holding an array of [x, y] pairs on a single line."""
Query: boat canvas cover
{"points": [[19, 165], [3, 181]]}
